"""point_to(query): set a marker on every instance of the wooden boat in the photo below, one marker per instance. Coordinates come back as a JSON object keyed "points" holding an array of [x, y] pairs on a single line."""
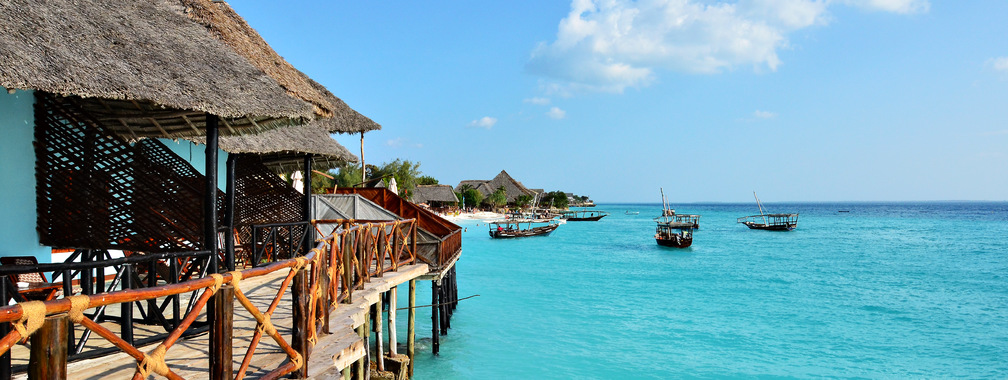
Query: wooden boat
{"points": [[512, 228], [628, 212], [674, 234], [770, 222], [675, 230], [583, 216]]}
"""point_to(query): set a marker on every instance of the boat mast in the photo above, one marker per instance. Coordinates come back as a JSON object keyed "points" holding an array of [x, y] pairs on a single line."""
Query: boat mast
{"points": [[760, 207], [664, 213]]}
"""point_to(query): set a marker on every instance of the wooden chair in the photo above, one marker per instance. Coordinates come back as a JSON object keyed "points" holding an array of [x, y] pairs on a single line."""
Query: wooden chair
{"points": [[38, 288]]}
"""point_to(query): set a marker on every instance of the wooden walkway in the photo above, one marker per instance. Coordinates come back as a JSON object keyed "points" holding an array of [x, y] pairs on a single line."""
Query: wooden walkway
{"points": [[190, 357]]}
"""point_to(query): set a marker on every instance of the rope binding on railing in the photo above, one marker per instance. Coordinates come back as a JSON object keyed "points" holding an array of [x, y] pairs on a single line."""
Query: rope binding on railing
{"points": [[154, 362], [33, 315], [78, 304]]}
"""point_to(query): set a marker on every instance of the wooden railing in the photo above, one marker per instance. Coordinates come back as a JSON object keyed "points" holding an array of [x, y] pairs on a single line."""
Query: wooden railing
{"points": [[327, 275]]}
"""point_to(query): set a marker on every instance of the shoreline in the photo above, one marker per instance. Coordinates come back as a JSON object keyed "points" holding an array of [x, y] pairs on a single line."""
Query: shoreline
{"points": [[472, 216]]}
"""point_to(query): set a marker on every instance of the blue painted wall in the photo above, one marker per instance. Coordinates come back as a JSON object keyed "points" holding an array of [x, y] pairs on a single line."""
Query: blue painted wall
{"points": [[195, 154], [18, 236]]}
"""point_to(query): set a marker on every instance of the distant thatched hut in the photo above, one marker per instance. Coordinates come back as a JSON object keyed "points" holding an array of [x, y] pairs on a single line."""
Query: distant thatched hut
{"points": [[437, 197], [512, 188]]}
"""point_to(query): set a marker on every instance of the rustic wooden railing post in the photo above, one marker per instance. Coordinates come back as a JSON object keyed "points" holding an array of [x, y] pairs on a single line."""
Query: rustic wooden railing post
{"points": [[381, 252], [300, 294], [348, 267], [325, 279], [221, 332], [411, 325], [48, 357], [413, 241]]}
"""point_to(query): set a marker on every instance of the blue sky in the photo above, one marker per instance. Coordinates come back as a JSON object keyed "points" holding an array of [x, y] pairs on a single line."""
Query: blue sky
{"points": [[799, 100]]}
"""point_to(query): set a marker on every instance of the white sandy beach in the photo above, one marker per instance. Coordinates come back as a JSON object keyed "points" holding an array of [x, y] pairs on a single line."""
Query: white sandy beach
{"points": [[479, 215]]}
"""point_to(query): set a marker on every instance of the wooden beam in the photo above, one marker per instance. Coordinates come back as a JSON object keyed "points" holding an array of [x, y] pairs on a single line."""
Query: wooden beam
{"points": [[411, 326], [392, 338], [221, 333]]}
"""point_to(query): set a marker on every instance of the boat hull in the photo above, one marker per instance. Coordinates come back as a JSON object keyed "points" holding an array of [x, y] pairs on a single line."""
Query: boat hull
{"points": [[586, 219], [674, 241], [536, 231], [771, 227]]}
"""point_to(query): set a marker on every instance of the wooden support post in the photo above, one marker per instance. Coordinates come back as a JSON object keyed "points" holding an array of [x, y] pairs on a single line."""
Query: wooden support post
{"points": [[358, 367], [300, 294], [379, 350], [221, 332], [126, 332], [348, 267], [411, 325], [435, 321], [392, 338], [229, 211], [306, 204], [48, 357], [367, 348]]}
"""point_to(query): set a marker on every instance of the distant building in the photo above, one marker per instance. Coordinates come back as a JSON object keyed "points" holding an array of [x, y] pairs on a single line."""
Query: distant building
{"points": [[437, 197], [512, 188]]}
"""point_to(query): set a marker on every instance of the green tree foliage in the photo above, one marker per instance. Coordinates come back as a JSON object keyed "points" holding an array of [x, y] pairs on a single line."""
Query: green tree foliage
{"points": [[469, 196], [321, 184], [404, 172], [348, 175], [497, 199], [523, 200], [557, 198], [426, 180]]}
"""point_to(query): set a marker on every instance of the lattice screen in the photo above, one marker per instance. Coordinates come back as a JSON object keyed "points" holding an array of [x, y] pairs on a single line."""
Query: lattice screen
{"points": [[96, 191]]}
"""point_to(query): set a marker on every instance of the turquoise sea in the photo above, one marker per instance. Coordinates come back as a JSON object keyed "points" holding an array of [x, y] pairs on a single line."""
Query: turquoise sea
{"points": [[886, 290]]}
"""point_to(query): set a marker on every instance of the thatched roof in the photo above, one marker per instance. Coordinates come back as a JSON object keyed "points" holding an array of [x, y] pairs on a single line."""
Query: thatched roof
{"points": [[434, 193], [141, 68], [284, 149], [512, 187], [344, 119], [225, 24]]}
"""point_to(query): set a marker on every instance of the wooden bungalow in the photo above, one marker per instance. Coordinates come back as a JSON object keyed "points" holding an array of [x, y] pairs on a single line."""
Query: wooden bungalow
{"points": [[85, 82]]}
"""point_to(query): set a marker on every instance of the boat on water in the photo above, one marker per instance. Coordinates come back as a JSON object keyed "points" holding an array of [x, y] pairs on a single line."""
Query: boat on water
{"points": [[769, 222], [628, 212], [582, 216], [513, 228], [672, 231]]}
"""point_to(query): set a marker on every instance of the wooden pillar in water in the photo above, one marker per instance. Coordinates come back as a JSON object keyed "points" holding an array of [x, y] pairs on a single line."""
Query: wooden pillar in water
{"points": [[392, 338], [411, 325], [379, 350], [300, 294], [48, 357], [221, 366], [435, 321]]}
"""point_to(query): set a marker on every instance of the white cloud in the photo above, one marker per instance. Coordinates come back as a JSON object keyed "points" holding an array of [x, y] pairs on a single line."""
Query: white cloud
{"points": [[485, 122], [895, 6], [395, 143], [538, 101], [556, 113], [1000, 64], [764, 114], [609, 45]]}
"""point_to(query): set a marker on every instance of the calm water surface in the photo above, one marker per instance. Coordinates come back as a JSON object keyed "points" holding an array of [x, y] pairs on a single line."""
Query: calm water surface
{"points": [[883, 291]]}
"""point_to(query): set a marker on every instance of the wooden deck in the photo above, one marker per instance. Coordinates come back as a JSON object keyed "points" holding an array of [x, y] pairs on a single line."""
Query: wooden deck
{"points": [[189, 357]]}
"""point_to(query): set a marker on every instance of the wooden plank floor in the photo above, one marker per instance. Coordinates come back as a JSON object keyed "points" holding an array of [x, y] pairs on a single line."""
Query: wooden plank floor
{"points": [[189, 357]]}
